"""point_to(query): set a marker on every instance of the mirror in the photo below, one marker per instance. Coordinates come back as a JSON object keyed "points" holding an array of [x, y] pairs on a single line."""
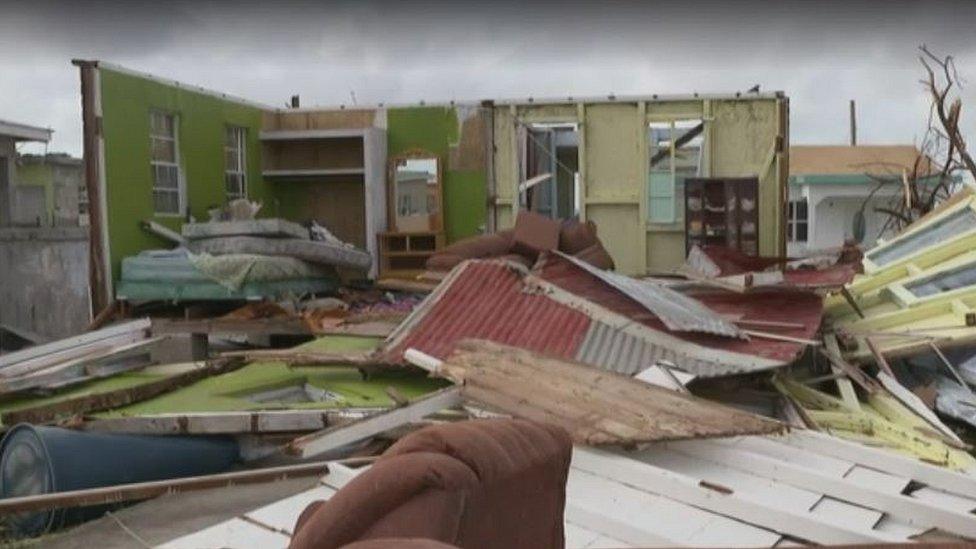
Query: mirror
{"points": [[416, 193]]}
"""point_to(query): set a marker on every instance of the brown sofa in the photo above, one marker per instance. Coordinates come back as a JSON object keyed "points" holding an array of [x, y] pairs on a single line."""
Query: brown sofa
{"points": [[473, 484]]}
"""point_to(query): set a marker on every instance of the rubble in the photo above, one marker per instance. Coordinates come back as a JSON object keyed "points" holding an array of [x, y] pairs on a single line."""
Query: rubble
{"points": [[732, 378]]}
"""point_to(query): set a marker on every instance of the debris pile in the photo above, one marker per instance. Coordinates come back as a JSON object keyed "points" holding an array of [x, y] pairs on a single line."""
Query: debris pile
{"points": [[748, 401]]}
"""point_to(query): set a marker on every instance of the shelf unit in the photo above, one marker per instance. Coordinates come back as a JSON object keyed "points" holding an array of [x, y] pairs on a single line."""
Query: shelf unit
{"points": [[334, 161], [724, 212], [405, 254]]}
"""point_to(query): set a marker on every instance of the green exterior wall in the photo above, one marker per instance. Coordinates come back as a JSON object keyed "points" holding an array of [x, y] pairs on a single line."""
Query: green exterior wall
{"points": [[126, 104], [436, 129]]}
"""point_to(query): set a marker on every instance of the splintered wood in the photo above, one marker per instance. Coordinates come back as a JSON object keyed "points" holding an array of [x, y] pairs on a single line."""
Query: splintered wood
{"points": [[597, 407]]}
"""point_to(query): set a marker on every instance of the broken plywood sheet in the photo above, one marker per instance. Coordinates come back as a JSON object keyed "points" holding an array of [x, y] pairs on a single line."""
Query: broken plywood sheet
{"points": [[269, 228], [321, 253], [595, 406]]}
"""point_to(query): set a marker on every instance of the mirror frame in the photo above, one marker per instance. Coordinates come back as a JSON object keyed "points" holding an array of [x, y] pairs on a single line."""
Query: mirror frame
{"points": [[391, 216]]}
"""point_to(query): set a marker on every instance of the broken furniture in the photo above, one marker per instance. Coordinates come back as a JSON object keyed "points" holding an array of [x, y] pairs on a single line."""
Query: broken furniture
{"points": [[340, 172], [415, 214], [486, 484], [722, 211], [533, 233]]}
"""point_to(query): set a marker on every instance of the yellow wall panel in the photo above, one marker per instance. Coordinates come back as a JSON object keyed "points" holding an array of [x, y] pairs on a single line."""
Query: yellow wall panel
{"points": [[621, 236]]}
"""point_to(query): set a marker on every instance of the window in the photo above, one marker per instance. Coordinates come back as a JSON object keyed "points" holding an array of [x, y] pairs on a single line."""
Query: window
{"points": [[235, 184], [675, 155], [550, 148], [946, 228], [167, 183], [796, 221]]}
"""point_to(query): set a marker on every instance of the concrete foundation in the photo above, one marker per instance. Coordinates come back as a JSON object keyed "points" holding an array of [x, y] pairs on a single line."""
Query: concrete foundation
{"points": [[44, 280]]}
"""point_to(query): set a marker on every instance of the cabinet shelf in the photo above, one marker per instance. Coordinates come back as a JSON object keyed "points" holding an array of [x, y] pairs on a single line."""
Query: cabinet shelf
{"points": [[313, 172]]}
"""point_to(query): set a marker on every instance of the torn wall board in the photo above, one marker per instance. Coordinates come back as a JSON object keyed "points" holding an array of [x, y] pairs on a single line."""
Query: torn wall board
{"points": [[798, 312], [677, 311], [501, 302], [322, 253], [596, 408]]}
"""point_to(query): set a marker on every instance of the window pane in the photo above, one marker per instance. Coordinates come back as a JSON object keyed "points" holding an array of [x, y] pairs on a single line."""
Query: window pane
{"points": [[230, 137], [166, 201], [161, 124], [166, 177], [943, 282], [955, 224], [163, 150], [661, 197], [230, 160], [801, 209], [801, 231]]}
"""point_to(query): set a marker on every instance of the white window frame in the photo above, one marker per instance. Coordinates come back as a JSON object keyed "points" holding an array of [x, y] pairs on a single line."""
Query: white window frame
{"points": [[240, 170], [793, 220], [676, 212], [153, 163]]}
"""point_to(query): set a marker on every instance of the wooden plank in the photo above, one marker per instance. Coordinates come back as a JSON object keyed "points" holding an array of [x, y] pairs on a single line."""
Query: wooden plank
{"points": [[212, 423], [87, 404], [832, 352], [68, 347], [308, 358], [145, 490], [594, 406], [103, 364], [336, 437], [890, 462], [257, 326], [913, 511], [740, 506]]}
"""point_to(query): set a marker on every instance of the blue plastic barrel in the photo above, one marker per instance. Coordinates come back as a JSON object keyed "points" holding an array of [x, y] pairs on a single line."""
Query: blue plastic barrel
{"points": [[39, 460]]}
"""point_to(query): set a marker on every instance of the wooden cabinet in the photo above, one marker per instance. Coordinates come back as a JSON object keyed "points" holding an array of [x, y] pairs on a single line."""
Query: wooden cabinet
{"points": [[340, 173], [405, 254], [724, 212]]}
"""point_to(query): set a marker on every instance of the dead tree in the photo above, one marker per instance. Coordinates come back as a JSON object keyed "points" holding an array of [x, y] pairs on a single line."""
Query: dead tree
{"points": [[942, 157]]}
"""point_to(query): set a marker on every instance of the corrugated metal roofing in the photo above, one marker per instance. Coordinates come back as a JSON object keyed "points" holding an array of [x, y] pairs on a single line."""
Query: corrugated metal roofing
{"points": [[500, 302], [612, 349], [677, 311], [489, 300], [753, 491], [779, 304]]}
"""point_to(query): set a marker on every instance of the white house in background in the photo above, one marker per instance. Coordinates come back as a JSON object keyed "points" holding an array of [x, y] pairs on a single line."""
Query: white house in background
{"points": [[829, 184]]}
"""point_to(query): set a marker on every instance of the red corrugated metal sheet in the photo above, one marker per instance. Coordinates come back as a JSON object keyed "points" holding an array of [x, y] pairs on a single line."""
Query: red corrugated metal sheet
{"points": [[783, 305], [487, 301]]}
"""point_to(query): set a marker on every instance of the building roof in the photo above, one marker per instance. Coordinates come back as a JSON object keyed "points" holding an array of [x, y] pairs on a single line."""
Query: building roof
{"points": [[23, 132], [753, 491], [879, 160]]}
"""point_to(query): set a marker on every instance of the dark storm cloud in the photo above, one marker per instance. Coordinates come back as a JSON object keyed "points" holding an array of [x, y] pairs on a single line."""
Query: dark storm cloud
{"points": [[821, 53]]}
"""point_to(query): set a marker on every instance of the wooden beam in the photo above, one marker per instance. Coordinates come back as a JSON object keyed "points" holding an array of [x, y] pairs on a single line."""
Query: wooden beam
{"points": [[213, 423], [146, 490], [309, 358], [336, 437], [257, 326]]}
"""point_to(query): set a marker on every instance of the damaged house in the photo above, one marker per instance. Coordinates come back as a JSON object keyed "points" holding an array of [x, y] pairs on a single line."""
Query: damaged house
{"points": [[163, 152]]}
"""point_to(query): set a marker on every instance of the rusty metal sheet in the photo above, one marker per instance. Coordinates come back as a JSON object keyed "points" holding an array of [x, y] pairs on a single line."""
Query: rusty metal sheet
{"points": [[677, 311]]}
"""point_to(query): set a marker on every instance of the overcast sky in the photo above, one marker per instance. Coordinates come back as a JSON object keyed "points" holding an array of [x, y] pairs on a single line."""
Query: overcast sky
{"points": [[821, 53]]}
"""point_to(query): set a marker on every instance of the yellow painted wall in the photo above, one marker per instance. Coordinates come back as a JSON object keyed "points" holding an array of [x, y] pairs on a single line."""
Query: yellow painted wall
{"points": [[740, 140]]}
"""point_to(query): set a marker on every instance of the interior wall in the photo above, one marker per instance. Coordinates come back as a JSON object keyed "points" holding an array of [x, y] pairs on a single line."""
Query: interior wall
{"points": [[456, 135], [744, 137]]}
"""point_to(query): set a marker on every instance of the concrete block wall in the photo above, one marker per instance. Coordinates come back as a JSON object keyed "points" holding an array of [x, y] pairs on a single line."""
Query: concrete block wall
{"points": [[44, 280]]}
